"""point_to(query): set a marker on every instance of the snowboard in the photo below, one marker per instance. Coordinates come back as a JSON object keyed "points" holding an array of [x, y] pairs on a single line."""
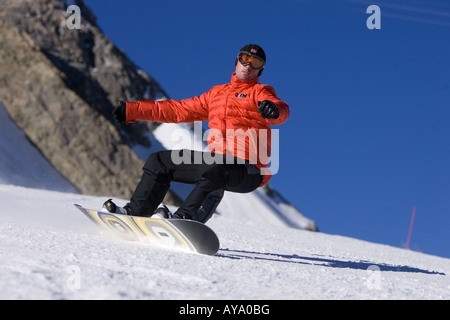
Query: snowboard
{"points": [[188, 235]]}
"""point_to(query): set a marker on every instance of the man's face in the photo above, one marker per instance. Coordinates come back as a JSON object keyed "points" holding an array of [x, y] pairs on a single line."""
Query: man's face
{"points": [[245, 73]]}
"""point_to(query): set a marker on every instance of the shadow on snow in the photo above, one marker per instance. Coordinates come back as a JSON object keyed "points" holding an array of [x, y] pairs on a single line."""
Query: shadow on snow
{"points": [[324, 262]]}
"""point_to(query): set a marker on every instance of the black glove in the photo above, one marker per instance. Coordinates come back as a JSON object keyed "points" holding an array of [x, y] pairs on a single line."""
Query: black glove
{"points": [[268, 109], [120, 112]]}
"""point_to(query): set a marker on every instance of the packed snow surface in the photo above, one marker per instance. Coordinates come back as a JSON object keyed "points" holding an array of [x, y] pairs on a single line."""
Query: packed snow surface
{"points": [[49, 250]]}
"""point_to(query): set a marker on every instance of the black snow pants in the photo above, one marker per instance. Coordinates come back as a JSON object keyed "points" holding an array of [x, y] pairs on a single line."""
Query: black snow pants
{"points": [[211, 179]]}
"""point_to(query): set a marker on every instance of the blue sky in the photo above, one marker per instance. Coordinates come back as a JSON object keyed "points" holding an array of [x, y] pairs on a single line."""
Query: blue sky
{"points": [[368, 137]]}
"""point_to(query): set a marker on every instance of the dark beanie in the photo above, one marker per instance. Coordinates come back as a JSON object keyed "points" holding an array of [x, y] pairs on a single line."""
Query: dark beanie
{"points": [[255, 50]]}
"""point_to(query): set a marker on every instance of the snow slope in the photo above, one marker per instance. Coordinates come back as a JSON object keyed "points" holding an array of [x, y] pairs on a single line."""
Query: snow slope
{"points": [[21, 163], [49, 250]]}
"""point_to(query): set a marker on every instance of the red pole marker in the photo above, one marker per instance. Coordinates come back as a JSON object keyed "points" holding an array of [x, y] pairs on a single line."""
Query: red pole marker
{"points": [[411, 227]]}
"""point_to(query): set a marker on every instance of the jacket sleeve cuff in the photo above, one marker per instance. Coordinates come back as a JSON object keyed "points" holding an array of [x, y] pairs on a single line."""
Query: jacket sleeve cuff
{"points": [[131, 112], [283, 114]]}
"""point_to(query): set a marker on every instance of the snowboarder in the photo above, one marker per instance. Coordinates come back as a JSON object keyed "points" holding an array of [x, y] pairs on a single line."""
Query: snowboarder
{"points": [[240, 114]]}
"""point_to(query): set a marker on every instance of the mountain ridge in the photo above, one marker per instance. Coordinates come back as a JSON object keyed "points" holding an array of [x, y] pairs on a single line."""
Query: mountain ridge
{"points": [[59, 84]]}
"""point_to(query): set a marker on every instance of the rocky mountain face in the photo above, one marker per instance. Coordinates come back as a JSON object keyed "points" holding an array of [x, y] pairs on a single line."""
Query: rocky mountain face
{"points": [[59, 85]]}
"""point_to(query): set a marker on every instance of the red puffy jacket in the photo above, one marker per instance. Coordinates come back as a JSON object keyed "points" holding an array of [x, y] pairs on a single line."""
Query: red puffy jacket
{"points": [[237, 127]]}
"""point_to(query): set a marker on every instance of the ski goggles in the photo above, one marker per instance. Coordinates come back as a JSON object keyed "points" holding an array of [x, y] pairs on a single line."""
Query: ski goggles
{"points": [[246, 58]]}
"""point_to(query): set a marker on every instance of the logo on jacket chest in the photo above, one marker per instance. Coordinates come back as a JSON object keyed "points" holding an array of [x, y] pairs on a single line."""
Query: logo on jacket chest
{"points": [[241, 95]]}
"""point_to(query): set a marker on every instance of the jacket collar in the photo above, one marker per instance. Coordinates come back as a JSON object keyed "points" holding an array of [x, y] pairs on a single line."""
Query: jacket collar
{"points": [[236, 82]]}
